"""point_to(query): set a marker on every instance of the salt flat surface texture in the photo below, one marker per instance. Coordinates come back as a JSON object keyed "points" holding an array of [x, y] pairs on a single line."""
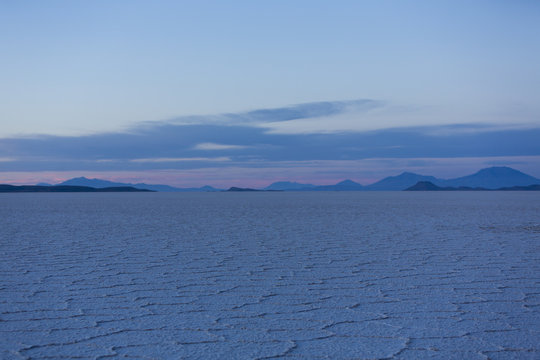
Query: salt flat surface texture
{"points": [[264, 275]]}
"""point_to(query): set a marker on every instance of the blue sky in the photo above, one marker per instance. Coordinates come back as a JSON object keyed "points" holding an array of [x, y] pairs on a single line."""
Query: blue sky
{"points": [[244, 93]]}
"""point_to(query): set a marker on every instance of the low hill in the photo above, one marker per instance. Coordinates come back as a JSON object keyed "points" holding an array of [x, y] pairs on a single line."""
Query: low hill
{"points": [[288, 185], [237, 189], [429, 186], [99, 183], [66, 188]]}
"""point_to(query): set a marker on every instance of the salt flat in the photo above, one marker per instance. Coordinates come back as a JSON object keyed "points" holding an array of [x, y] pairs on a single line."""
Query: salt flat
{"points": [[268, 275]]}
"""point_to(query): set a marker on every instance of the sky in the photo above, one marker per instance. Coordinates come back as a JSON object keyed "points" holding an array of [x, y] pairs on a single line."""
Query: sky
{"points": [[244, 93]]}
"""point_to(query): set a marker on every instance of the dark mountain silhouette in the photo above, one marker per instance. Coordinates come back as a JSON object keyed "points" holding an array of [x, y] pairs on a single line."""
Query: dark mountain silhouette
{"points": [[99, 183], [399, 182], [424, 186], [234, 188], [239, 189], [67, 188], [535, 187], [429, 186], [288, 185]]}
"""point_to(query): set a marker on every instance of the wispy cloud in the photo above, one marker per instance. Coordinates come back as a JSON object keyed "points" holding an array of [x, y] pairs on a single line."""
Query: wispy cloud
{"points": [[214, 146], [475, 128], [310, 110], [260, 117], [168, 160]]}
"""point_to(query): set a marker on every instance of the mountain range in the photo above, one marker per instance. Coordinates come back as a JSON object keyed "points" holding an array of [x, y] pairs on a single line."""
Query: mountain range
{"points": [[489, 178], [4, 188], [99, 183]]}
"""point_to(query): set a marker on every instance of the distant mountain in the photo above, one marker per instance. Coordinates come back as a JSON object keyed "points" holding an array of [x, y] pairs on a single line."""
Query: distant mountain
{"points": [[535, 187], [429, 186], [234, 188], [99, 183], [399, 182], [288, 185], [206, 188], [493, 178], [67, 188], [95, 183], [239, 189], [424, 186], [345, 185], [489, 178]]}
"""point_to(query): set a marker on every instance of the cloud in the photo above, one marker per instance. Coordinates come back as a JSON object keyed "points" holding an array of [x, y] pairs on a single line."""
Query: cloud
{"points": [[311, 110], [214, 146], [474, 128], [257, 142], [167, 160], [179, 146], [440, 122]]}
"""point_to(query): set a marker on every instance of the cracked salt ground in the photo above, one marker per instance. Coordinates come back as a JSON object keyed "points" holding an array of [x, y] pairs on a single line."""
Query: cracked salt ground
{"points": [[268, 275]]}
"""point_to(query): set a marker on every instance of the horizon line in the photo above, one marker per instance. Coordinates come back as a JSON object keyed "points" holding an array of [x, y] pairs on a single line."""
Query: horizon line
{"points": [[60, 181]]}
